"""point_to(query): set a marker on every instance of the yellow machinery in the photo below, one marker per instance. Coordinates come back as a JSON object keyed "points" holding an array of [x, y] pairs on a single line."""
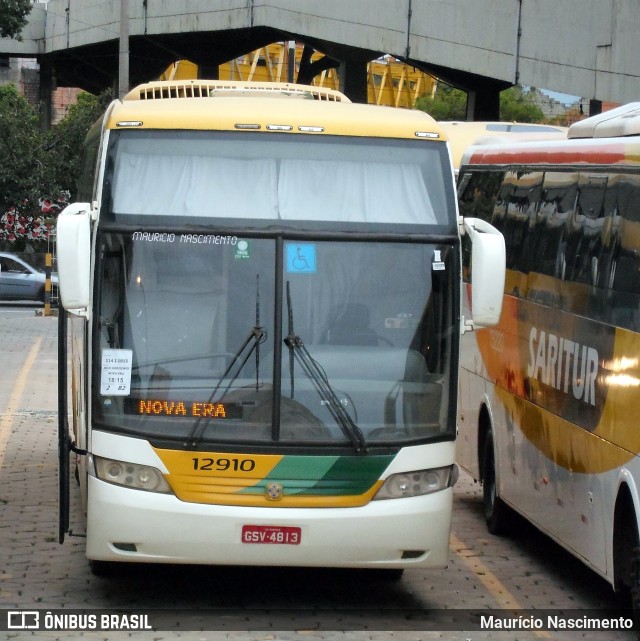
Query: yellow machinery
{"points": [[390, 82]]}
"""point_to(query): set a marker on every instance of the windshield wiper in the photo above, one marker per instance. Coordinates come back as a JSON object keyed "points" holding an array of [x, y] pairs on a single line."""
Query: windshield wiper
{"points": [[256, 337], [299, 351]]}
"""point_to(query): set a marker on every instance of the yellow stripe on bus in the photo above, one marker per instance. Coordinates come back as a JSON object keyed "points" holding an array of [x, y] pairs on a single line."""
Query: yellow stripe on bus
{"points": [[223, 478], [612, 439]]}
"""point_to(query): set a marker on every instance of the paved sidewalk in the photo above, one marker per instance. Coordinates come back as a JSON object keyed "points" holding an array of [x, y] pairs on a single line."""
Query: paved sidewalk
{"points": [[36, 572]]}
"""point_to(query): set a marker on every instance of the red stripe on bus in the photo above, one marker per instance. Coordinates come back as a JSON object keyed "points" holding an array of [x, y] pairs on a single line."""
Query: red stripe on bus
{"points": [[601, 155]]}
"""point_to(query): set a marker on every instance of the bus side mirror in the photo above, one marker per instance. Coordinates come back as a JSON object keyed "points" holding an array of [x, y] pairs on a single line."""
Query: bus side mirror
{"points": [[488, 267], [73, 242]]}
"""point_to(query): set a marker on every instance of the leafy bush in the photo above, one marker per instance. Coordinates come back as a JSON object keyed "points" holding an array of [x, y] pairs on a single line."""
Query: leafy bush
{"points": [[39, 170]]}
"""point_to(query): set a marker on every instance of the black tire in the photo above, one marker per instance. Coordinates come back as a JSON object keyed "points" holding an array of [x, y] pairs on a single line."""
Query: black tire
{"points": [[626, 557], [496, 513], [635, 582]]}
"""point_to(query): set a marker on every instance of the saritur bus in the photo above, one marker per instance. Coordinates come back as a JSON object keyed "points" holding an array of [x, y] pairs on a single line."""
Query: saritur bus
{"points": [[463, 134], [549, 398], [262, 285]]}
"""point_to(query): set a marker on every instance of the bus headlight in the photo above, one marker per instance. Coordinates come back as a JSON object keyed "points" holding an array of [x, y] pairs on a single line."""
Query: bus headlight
{"points": [[132, 475], [418, 483]]}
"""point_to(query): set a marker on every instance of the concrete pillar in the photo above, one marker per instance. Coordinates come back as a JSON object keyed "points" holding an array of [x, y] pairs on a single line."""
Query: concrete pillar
{"points": [[483, 104], [123, 51], [45, 91], [291, 61], [353, 80]]}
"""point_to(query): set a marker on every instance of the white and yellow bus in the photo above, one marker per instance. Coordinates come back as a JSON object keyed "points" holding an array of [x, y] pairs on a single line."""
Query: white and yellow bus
{"points": [[549, 397], [464, 134], [263, 291]]}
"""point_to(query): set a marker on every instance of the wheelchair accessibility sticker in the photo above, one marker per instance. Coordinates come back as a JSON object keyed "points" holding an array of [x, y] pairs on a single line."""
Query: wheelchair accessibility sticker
{"points": [[301, 258]]}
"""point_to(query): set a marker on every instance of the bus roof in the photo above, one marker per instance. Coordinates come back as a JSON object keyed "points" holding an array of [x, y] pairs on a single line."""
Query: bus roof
{"points": [[621, 121], [222, 105], [602, 152], [609, 138], [463, 134]]}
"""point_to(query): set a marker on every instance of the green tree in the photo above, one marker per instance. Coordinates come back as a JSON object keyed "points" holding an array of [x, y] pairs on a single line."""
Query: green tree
{"points": [[25, 171], [13, 17], [64, 141], [36, 165], [38, 171], [518, 105], [446, 104]]}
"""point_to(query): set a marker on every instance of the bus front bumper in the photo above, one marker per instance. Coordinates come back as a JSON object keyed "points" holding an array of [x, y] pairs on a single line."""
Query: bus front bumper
{"points": [[133, 526]]}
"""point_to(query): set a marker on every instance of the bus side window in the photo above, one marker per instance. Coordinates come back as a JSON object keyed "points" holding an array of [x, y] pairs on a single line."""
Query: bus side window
{"points": [[556, 204], [548, 250], [89, 158], [480, 191], [505, 189], [604, 253], [520, 211], [624, 273], [585, 227], [480, 196]]}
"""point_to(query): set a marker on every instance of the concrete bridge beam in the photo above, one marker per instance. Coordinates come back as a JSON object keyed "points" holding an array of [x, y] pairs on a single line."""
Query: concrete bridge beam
{"points": [[583, 47]]}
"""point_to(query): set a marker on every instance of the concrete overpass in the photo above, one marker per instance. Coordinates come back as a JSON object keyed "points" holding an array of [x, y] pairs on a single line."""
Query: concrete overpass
{"points": [[582, 47]]}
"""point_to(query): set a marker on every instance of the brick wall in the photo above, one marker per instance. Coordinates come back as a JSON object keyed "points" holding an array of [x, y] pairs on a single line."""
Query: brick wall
{"points": [[25, 74], [28, 85], [62, 99]]}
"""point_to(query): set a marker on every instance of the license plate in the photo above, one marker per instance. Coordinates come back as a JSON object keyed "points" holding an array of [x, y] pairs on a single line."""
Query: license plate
{"points": [[271, 534]]}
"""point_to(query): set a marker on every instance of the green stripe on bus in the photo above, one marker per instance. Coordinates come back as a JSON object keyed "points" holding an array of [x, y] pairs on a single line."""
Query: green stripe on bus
{"points": [[325, 475]]}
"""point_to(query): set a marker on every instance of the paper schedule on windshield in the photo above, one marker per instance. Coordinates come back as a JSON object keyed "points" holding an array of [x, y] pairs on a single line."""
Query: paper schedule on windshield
{"points": [[115, 378]]}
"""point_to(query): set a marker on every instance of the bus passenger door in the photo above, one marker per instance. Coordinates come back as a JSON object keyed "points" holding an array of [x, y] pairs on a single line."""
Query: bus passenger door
{"points": [[63, 430]]}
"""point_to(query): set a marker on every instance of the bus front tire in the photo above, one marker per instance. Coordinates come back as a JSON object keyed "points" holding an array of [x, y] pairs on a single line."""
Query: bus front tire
{"points": [[496, 512]]}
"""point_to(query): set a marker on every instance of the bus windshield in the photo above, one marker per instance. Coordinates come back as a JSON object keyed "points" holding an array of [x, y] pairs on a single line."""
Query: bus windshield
{"points": [[239, 339], [284, 177]]}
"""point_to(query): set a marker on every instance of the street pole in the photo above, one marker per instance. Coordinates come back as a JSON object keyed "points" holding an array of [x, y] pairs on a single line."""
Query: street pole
{"points": [[291, 62], [123, 57]]}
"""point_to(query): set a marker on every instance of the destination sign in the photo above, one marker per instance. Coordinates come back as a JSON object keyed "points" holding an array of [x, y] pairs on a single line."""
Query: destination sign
{"points": [[185, 409]]}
